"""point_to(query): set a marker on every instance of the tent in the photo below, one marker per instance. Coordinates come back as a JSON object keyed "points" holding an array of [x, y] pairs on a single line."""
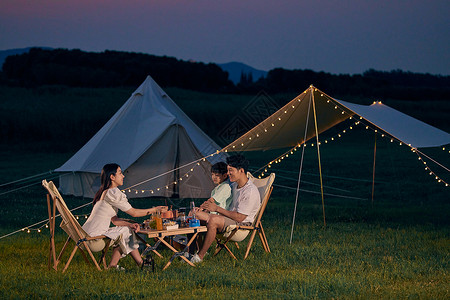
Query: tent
{"points": [[162, 152], [313, 112]]}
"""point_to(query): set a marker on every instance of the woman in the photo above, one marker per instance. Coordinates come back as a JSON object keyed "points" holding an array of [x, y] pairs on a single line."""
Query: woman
{"points": [[107, 201]]}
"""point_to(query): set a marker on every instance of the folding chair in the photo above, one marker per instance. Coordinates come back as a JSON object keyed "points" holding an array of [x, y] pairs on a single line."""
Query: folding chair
{"points": [[237, 233], [70, 225]]}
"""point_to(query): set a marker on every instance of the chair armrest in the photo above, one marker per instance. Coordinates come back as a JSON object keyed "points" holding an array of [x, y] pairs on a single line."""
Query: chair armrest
{"points": [[245, 227], [96, 237], [129, 220]]}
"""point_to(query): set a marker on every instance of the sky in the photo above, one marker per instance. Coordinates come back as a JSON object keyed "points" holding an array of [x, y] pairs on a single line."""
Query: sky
{"points": [[336, 36]]}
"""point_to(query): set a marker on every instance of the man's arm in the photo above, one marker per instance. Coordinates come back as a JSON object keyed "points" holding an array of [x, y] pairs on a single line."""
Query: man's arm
{"points": [[230, 214]]}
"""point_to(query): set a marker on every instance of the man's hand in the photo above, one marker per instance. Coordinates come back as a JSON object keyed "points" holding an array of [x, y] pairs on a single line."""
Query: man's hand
{"points": [[210, 206]]}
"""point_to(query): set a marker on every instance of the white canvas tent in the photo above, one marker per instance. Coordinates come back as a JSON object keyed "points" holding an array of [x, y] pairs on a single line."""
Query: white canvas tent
{"points": [[154, 142]]}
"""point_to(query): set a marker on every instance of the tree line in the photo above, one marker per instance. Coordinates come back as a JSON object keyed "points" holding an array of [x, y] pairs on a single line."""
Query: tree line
{"points": [[78, 68]]}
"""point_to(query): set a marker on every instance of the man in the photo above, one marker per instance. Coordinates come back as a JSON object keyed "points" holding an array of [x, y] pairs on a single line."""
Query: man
{"points": [[245, 205]]}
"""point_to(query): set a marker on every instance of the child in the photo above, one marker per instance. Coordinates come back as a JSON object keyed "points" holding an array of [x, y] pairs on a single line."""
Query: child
{"points": [[221, 194]]}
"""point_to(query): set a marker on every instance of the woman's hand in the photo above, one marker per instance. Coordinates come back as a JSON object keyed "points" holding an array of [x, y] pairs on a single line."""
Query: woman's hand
{"points": [[161, 208], [135, 227]]}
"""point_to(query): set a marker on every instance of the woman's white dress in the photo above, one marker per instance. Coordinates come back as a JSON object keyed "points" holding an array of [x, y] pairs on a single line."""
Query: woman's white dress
{"points": [[100, 219]]}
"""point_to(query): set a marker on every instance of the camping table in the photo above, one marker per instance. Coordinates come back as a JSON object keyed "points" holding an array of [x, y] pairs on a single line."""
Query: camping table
{"points": [[161, 234]]}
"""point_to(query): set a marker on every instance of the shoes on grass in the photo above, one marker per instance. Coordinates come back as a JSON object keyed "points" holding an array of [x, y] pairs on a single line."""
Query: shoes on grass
{"points": [[117, 268], [196, 259]]}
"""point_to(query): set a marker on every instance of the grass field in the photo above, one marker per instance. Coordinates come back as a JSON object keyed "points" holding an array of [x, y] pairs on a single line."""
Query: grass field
{"points": [[397, 246]]}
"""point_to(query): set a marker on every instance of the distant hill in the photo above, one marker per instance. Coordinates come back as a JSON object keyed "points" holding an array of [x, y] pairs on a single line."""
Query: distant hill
{"points": [[5, 53], [236, 69]]}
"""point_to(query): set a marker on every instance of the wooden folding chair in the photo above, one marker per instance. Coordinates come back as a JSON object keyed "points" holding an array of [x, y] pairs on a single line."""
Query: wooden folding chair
{"points": [[239, 233], [70, 225]]}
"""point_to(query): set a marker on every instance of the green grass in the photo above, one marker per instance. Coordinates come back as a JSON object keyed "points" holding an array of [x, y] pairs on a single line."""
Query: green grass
{"points": [[346, 260], [396, 247]]}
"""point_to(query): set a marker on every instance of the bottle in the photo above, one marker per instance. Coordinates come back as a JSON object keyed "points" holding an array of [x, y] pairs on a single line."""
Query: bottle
{"points": [[193, 209], [159, 225]]}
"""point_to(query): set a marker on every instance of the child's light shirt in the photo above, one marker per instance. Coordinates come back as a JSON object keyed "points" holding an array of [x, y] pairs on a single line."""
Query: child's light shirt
{"points": [[222, 195]]}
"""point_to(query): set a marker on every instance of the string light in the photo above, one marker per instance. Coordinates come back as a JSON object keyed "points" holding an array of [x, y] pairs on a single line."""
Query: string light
{"points": [[46, 225], [427, 168], [285, 110], [168, 186], [339, 135], [292, 150]]}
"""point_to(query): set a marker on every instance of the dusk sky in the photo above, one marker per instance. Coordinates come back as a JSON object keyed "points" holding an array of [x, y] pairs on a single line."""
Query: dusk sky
{"points": [[336, 36]]}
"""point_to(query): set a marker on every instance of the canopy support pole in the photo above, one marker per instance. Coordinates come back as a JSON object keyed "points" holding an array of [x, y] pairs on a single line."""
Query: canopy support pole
{"points": [[318, 157], [300, 169], [373, 171]]}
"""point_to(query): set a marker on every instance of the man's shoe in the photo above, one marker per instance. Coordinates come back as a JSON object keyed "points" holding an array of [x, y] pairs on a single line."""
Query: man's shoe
{"points": [[196, 259]]}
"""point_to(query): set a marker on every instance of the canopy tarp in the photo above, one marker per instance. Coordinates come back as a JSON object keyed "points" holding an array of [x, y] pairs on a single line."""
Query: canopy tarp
{"points": [[294, 124]]}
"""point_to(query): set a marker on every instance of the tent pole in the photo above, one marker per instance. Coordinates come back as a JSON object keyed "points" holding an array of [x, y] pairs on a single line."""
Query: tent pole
{"points": [[300, 170], [318, 156], [81, 183], [373, 171]]}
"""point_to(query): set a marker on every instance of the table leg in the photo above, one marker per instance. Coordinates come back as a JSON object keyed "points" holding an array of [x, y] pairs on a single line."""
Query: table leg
{"points": [[179, 253], [152, 248]]}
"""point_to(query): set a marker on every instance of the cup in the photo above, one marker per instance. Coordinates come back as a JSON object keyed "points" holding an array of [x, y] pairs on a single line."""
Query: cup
{"points": [[159, 225]]}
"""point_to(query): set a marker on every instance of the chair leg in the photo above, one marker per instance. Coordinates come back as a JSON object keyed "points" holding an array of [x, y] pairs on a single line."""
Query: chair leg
{"points": [[229, 251], [103, 257], [263, 235], [61, 253], [51, 221], [221, 245], [262, 241], [70, 258], [91, 255], [249, 245], [218, 248], [84, 256]]}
